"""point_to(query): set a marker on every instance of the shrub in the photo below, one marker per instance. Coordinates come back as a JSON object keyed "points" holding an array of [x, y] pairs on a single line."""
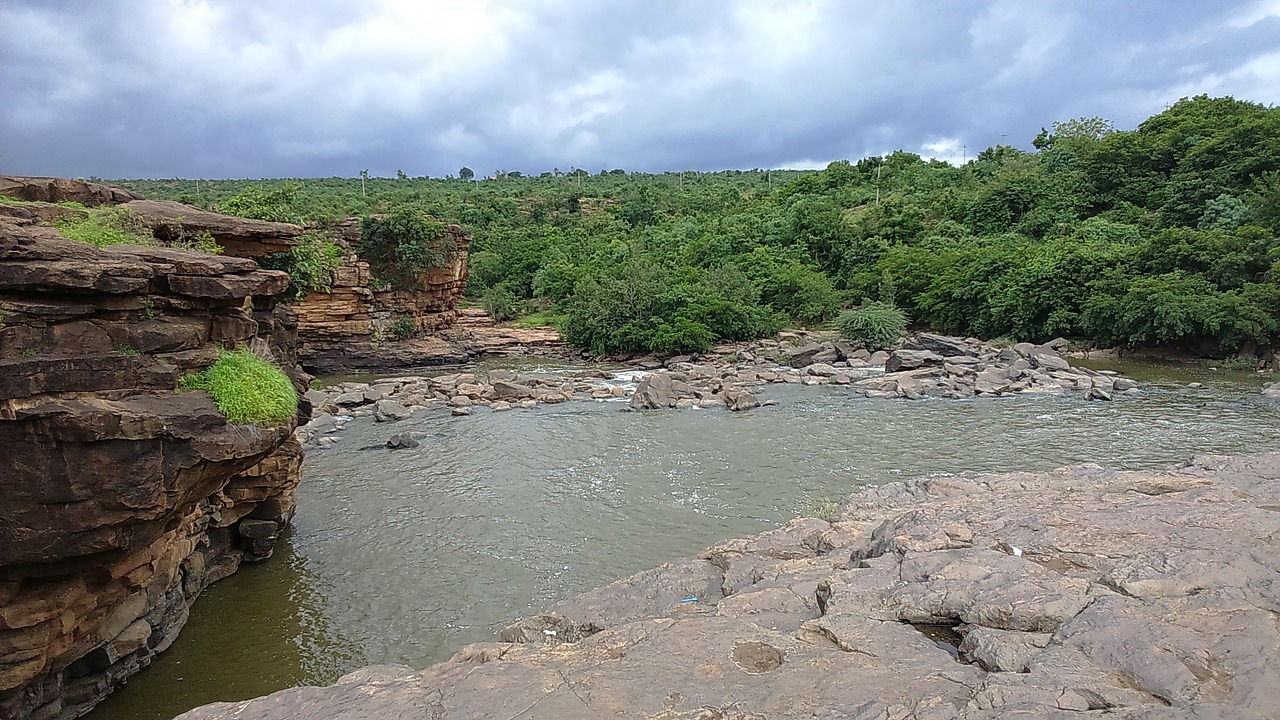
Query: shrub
{"points": [[825, 509], [875, 325], [403, 327], [1240, 362], [246, 389], [500, 303], [200, 242], [278, 203], [310, 265], [403, 243]]}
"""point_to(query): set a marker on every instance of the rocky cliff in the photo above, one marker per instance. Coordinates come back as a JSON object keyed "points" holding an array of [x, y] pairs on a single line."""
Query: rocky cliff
{"points": [[355, 325], [1036, 595], [122, 498]]}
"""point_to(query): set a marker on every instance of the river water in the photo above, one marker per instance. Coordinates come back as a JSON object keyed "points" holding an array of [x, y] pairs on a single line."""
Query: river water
{"points": [[404, 557]]}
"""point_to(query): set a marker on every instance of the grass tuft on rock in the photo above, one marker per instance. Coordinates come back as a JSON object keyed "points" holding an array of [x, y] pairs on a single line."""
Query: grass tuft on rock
{"points": [[247, 389], [105, 226]]}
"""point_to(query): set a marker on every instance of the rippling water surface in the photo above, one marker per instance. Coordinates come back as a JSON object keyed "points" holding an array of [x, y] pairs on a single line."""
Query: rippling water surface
{"points": [[403, 557]]}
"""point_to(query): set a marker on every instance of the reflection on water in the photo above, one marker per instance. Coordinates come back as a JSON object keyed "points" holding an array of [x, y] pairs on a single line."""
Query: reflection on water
{"points": [[403, 557]]}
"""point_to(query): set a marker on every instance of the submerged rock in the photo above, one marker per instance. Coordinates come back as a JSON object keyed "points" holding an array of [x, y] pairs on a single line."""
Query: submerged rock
{"points": [[401, 441]]}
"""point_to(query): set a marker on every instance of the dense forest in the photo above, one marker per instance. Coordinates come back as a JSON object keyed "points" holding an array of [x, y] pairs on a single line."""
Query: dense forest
{"points": [[1162, 235]]}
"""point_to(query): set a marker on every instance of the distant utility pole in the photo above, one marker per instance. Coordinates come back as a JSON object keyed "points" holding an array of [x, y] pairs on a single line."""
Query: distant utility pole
{"points": [[768, 174], [364, 175], [964, 149]]}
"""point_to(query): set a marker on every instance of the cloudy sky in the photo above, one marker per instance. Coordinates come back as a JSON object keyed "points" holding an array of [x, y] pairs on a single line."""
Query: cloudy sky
{"points": [[298, 88]]}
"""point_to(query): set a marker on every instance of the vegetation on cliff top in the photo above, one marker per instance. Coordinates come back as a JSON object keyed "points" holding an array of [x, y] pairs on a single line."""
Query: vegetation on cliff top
{"points": [[246, 388], [1162, 235], [310, 264], [106, 225]]}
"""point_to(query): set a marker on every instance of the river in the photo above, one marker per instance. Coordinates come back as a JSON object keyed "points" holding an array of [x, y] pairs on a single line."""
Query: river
{"points": [[406, 556]]}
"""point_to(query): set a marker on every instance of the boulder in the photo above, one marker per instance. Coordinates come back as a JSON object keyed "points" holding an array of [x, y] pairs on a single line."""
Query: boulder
{"points": [[510, 390], [820, 370], [1049, 360], [350, 399], [654, 392], [390, 411], [940, 344], [900, 360], [318, 399], [992, 381], [804, 355], [737, 399], [1271, 390], [472, 390], [1024, 349], [1123, 384]]}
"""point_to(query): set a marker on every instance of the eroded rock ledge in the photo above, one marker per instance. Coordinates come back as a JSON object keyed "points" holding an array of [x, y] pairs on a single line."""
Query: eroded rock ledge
{"points": [[1036, 595], [121, 499]]}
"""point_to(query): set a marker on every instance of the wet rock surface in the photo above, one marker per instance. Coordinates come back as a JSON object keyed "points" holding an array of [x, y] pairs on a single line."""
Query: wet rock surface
{"points": [[122, 499], [1125, 594]]}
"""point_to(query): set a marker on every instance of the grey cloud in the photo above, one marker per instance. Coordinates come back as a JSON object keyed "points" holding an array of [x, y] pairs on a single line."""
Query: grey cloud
{"points": [[306, 88]]}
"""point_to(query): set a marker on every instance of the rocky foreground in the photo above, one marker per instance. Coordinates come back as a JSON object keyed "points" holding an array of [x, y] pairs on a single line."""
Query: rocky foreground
{"points": [[1034, 595]]}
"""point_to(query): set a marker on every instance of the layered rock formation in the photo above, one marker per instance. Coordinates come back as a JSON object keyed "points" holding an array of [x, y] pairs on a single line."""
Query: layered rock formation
{"points": [[168, 220], [239, 237], [354, 326], [122, 498], [1037, 595], [359, 324], [55, 190]]}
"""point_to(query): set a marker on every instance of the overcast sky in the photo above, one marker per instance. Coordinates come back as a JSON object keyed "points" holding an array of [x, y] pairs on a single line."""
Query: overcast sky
{"points": [[299, 88]]}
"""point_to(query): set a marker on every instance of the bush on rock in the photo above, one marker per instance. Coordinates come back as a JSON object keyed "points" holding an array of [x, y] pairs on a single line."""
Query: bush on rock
{"points": [[246, 389]]}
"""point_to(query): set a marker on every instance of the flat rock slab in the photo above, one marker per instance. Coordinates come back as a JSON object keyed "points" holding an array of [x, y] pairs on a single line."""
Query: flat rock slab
{"points": [[1036, 595]]}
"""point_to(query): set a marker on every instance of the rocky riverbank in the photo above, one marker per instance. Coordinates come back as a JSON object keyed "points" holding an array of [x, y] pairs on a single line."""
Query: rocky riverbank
{"points": [[924, 365], [1128, 594], [122, 499]]}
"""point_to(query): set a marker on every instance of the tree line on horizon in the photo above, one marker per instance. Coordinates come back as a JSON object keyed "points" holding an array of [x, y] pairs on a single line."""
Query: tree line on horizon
{"points": [[1161, 235]]}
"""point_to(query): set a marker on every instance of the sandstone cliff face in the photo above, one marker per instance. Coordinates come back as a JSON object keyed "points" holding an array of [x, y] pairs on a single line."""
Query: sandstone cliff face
{"points": [[121, 499], [350, 327]]}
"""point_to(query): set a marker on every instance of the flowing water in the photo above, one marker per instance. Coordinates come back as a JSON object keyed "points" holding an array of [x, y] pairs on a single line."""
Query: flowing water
{"points": [[405, 556]]}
